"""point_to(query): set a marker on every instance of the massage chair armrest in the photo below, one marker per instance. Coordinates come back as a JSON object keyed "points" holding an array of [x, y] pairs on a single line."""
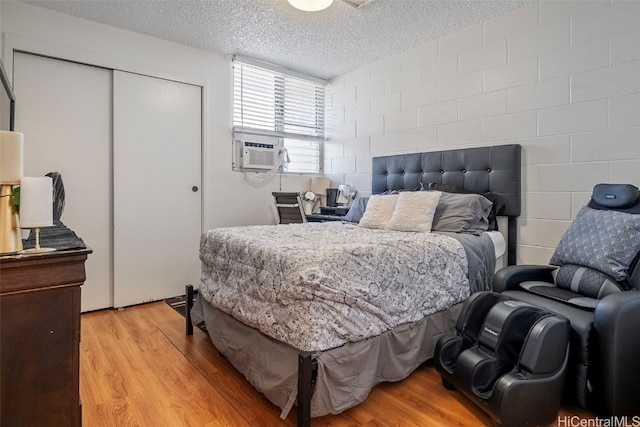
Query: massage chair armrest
{"points": [[615, 323], [510, 277]]}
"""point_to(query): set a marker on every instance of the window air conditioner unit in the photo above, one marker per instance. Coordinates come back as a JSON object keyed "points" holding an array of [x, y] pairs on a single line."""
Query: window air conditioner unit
{"points": [[257, 155]]}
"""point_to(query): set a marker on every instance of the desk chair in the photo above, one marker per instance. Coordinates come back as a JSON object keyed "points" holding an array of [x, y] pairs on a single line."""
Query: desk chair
{"points": [[289, 208]]}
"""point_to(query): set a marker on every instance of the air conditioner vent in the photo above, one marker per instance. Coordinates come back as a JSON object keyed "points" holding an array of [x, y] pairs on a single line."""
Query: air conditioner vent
{"points": [[258, 155]]}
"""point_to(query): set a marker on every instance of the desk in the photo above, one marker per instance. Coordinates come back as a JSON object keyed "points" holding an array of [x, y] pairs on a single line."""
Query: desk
{"points": [[337, 211], [328, 214], [323, 218], [40, 338]]}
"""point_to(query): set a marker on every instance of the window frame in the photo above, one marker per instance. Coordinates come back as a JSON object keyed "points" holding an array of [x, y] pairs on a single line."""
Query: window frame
{"points": [[306, 105]]}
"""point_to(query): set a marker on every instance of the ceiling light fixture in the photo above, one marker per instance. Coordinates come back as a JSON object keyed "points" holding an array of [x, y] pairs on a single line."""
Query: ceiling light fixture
{"points": [[310, 5]]}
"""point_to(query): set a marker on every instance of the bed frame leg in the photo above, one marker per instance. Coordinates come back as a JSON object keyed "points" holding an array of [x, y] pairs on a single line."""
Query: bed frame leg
{"points": [[189, 295], [305, 388]]}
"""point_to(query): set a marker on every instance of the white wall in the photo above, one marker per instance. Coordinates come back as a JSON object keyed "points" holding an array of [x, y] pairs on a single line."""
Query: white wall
{"points": [[561, 78], [228, 199], [1, 51]]}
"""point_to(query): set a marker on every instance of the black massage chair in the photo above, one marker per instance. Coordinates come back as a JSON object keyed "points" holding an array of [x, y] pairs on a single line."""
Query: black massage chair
{"points": [[594, 281]]}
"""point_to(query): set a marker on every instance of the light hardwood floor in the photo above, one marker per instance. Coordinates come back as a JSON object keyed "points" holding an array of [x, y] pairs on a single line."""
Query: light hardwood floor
{"points": [[138, 368]]}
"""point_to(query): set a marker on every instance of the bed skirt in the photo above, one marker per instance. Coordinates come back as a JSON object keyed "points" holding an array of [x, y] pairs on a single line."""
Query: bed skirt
{"points": [[345, 374]]}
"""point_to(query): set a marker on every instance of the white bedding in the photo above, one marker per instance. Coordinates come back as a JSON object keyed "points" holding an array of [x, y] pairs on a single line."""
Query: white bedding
{"points": [[499, 243], [316, 286]]}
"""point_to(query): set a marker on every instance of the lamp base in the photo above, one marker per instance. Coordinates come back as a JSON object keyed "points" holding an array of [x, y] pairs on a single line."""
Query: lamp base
{"points": [[10, 238], [37, 249]]}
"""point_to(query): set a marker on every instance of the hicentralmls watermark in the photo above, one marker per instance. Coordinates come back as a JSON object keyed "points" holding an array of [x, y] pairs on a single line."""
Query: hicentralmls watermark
{"points": [[575, 421]]}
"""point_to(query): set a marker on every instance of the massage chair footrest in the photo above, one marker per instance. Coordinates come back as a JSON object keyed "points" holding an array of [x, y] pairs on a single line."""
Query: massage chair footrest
{"points": [[511, 364]]}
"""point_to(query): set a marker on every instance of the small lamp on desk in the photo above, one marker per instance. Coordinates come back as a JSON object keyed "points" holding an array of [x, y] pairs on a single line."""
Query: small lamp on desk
{"points": [[36, 207], [319, 186]]}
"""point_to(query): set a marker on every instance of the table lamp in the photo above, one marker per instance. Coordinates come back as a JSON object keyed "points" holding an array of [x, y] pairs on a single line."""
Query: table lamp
{"points": [[36, 207], [11, 167], [319, 185]]}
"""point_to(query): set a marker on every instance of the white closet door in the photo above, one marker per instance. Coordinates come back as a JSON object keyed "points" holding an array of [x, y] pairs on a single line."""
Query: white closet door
{"points": [[157, 178], [64, 110]]}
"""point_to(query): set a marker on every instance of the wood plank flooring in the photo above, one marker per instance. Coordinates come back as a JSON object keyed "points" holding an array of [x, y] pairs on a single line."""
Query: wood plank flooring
{"points": [[138, 368]]}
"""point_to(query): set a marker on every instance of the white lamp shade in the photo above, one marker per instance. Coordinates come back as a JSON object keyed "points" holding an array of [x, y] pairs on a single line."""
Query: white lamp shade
{"points": [[11, 157], [319, 185], [36, 202], [310, 5]]}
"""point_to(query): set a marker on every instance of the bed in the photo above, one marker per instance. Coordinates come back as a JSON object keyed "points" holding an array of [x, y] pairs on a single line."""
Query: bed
{"points": [[268, 293]]}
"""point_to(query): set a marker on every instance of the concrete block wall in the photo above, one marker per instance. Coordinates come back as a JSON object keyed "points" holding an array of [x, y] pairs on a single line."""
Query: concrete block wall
{"points": [[561, 78]]}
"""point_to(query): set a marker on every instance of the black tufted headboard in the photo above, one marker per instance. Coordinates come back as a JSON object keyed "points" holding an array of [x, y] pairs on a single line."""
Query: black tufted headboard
{"points": [[493, 169]]}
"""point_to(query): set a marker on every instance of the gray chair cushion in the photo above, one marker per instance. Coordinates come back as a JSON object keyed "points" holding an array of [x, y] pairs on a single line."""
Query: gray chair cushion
{"points": [[604, 240], [585, 281], [548, 290]]}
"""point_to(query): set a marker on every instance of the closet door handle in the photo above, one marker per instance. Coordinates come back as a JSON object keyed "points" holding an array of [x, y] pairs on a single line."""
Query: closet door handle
{"points": [[194, 188]]}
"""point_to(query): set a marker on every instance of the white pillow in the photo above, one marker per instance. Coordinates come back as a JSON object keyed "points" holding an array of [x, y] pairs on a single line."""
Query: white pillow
{"points": [[414, 211], [379, 211]]}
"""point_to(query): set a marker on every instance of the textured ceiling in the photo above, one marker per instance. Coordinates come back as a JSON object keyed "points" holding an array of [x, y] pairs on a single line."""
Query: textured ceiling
{"points": [[323, 44]]}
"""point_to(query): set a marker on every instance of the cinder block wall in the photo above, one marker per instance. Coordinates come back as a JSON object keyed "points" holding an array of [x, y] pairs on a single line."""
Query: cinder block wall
{"points": [[561, 78]]}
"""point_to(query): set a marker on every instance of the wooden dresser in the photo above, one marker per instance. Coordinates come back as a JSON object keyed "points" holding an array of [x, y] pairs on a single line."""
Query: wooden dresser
{"points": [[40, 338]]}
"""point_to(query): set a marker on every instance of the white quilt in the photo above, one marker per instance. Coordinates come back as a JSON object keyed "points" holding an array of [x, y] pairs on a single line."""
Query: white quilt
{"points": [[316, 286]]}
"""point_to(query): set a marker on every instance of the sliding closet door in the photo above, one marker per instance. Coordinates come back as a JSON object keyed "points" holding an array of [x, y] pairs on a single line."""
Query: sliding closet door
{"points": [[64, 110], [157, 179]]}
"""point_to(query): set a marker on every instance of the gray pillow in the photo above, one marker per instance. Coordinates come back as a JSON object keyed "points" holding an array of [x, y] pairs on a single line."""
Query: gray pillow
{"points": [[462, 213], [358, 206], [604, 240]]}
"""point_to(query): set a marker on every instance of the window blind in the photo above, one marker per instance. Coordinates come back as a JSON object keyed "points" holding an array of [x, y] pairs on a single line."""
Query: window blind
{"points": [[286, 107]]}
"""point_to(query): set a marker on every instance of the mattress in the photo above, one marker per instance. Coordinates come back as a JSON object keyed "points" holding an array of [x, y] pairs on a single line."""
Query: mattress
{"points": [[498, 241], [317, 286]]}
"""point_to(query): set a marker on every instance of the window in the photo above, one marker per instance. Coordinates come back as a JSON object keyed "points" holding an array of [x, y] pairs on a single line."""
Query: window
{"points": [[282, 105]]}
